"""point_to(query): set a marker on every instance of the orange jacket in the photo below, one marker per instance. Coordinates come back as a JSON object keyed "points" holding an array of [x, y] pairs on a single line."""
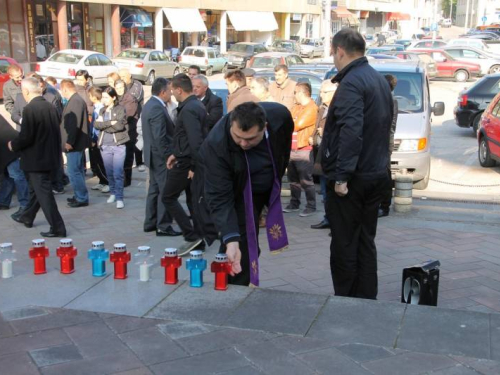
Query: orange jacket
{"points": [[304, 118]]}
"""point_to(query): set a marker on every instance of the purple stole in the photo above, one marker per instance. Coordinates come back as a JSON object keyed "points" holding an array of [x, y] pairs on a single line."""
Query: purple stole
{"points": [[275, 223]]}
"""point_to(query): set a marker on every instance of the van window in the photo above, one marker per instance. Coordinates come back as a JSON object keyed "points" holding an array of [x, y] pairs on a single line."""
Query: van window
{"points": [[211, 54], [409, 91]]}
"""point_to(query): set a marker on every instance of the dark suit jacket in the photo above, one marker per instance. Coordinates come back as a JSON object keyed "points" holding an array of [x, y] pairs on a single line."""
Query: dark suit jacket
{"points": [[214, 107], [7, 134], [75, 124], [39, 141], [50, 94], [157, 132]]}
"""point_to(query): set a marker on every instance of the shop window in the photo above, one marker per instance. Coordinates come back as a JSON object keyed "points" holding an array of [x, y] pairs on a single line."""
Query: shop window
{"points": [[16, 13], [96, 26], [3, 15], [44, 25], [4, 40]]}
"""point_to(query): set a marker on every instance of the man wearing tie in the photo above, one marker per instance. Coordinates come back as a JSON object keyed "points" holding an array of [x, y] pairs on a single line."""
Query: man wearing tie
{"points": [[157, 132]]}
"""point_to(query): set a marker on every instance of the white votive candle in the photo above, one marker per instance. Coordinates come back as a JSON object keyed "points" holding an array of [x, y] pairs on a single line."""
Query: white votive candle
{"points": [[6, 269], [144, 272]]}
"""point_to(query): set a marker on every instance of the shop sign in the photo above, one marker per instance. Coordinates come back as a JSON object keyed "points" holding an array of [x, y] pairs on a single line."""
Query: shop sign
{"points": [[31, 26]]}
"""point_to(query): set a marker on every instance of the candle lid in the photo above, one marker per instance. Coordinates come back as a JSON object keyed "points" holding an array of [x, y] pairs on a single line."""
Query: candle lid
{"points": [[196, 254], [120, 247], [144, 249], [221, 258], [66, 242], [7, 246], [171, 252], [40, 242], [98, 245]]}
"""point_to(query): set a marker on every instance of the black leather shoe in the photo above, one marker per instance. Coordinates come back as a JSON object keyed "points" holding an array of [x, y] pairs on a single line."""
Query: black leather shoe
{"points": [[77, 204], [170, 232], [52, 234], [18, 219], [323, 225], [71, 200], [18, 213], [383, 212]]}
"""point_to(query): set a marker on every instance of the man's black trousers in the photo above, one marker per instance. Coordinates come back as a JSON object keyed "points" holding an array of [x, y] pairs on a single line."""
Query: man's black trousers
{"points": [[40, 190], [353, 221]]}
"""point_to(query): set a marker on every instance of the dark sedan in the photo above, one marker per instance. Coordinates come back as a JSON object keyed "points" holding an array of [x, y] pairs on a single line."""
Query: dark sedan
{"points": [[473, 101]]}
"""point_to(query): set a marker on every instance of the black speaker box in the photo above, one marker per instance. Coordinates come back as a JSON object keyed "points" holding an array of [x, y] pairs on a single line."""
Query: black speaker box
{"points": [[421, 283]]}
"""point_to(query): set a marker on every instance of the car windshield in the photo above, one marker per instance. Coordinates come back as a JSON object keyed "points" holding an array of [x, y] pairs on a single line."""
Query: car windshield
{"points": [[266, 62], [408, 92], [241, 48], [308, 42], [132, 54], [65, 58]]}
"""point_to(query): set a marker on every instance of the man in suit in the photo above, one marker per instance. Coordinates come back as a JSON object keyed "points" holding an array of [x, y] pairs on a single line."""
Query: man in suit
{"points": [[74, 140], [157, 133], [212, 102], [39, 144]]}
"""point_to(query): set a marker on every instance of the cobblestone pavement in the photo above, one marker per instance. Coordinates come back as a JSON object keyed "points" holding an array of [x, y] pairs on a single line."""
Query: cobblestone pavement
{"points": [[465, 238]]}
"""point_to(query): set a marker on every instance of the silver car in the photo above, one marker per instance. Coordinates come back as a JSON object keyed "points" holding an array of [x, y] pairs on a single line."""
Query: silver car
{"points": [[489, 63], [146, 64], [311, 48]]}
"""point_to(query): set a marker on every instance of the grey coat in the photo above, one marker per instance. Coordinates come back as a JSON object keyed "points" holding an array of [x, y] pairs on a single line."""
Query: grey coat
{"points": [[10, 91]]}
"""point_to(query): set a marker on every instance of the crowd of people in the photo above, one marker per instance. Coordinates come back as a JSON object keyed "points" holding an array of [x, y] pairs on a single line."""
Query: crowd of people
{"points": [[229, 167]]}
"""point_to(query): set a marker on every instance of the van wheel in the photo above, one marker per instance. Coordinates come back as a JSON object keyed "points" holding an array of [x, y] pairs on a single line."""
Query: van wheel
{"points": [[151, 78], [484, 154], [494, 69], [475, 124], [209, 71], [461, 75], [224, 69]]}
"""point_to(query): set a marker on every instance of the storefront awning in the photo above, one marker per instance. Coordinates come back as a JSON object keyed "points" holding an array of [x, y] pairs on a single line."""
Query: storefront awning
{"points": [[364, 14], [396, 16], [253, 21], [185, 20], [343, 12], [134, 17]]}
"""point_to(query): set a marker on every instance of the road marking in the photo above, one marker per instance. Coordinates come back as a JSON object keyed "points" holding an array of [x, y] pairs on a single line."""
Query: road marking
{"points": [[458, 174]]}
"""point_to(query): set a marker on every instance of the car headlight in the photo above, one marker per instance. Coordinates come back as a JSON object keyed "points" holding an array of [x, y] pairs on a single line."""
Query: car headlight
{"points": [[413, 144]]}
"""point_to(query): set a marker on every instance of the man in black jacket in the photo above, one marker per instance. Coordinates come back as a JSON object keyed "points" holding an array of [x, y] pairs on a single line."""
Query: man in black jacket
{"points": [[189, 133], [39, 144], [158, 133], [212, 102], [354, 159], [245, 144], [74, 140]]}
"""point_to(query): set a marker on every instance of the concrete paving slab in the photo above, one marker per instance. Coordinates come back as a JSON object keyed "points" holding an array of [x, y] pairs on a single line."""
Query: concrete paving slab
{"points": [[55, 355], [409, 364], [495, 336], [270, 310], [18, 364], [348, 320], [204, 305], [330, 360], [128, 297], [442, 331], [364, 353]]}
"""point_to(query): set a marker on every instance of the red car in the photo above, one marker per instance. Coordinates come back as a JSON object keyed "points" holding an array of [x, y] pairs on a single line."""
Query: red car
{"points": [[448, 67], [5, 62], [488, 135]]}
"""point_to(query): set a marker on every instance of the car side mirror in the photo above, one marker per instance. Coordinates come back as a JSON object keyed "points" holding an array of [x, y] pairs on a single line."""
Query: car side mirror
{"points": [[438, 109]]}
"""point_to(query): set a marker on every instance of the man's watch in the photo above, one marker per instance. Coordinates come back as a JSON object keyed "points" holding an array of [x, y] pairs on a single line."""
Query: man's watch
{"points": [[340, 182]]}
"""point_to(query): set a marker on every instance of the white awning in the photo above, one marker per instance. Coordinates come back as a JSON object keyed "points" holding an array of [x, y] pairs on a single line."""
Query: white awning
{"points": [[185, 20], [253, 21]]}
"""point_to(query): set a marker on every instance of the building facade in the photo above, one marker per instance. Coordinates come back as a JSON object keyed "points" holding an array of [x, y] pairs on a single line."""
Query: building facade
{"points": [[477, 12]]}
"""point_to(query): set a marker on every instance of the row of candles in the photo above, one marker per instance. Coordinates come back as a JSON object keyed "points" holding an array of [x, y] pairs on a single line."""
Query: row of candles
{"points": [[120, 258]]}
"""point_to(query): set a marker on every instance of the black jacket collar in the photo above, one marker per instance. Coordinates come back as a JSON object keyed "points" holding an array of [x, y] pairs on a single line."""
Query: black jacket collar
{"points": [[207, 97], [188, 99], [358, 62]]}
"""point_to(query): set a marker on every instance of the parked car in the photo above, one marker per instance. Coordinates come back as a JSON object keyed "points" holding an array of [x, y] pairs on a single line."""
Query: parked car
{"points": [[424, 43], [404, 42], [430, 64], [240, 53], [207, 58], [283, 45], [146, 64], [5, 62], [489, 64], [64, 65], [447, 22], [473, 101], [477, 43], [483, 36], [317, 68], [395, 46], [412, 140], [378, 50], [488, 135], [380, 56], [268, 60], [311, 48], [448, 67]]}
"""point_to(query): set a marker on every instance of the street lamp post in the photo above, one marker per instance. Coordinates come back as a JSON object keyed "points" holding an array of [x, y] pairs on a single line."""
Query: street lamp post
{"points": [[328, 27]]}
